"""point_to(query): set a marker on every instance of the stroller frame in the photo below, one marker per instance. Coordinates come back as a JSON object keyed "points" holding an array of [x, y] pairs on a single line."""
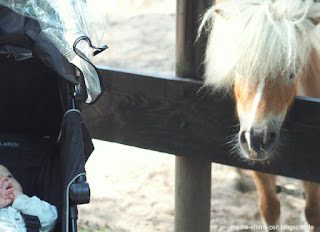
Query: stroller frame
{"points": [[74, 146]]}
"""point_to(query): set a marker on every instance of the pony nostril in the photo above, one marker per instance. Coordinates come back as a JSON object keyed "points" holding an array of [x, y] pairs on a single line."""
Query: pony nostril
{"points": [[271, 140], [243, 139], [273, 136], [257, 142], [263, 141]]}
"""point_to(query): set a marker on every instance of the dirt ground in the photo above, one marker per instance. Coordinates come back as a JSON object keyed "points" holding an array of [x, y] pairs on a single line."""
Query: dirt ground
{"points": [[133, 189]]}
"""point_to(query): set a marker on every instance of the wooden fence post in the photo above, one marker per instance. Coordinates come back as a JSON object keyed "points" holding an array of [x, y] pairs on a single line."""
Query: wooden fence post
{"points": [[193, 177], [192, 195]]}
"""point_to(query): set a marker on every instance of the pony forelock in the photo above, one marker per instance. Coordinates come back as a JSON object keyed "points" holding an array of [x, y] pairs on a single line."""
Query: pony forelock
{"points": [[258, 39]]}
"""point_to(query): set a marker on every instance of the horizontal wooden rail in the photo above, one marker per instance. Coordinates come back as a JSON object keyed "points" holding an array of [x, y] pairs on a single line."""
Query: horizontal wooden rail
{"points": [[178, 116]]}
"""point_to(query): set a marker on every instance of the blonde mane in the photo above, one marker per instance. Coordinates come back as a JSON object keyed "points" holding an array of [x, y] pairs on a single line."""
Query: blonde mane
{"points": [[258, 39]]}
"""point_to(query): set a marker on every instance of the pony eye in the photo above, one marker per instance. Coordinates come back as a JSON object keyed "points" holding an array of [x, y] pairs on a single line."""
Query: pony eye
{"points": [[292, 76]]}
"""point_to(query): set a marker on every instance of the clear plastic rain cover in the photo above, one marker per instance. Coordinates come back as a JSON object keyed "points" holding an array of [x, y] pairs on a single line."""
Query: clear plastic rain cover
{"points": [[64, 22]]}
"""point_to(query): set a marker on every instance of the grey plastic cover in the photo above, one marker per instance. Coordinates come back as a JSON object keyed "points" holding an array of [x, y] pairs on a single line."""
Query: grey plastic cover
{"points": [[63, 22]]}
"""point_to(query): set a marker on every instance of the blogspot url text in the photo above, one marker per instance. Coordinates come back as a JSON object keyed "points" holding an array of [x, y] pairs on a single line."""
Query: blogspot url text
{"points": [[272, 228]]}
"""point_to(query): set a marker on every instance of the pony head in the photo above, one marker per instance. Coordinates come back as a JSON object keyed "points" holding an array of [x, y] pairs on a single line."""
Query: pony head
{"points": [[258, 50]]}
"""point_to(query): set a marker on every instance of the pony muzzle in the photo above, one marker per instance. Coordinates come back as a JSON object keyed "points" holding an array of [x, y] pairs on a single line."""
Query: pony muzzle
{"points": [[258, 144]]}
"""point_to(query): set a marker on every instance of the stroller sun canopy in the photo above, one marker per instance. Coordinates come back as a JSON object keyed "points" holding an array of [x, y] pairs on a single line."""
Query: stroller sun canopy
{"points": [[65, 22]]}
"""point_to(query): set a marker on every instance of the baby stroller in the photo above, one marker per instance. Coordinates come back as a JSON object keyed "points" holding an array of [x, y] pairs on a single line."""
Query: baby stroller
{"points": [[43, 139]]}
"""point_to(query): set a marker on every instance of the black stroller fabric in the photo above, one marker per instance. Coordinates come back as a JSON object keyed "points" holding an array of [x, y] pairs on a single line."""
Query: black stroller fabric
{"points": [[22, 32], [75, 148], [46, 168], [42, 142], [29, 98], [44, 147], [60, 168]]}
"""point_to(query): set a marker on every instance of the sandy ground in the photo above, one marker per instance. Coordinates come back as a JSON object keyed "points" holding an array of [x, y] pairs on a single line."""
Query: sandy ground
{"points": [[133, 189]]}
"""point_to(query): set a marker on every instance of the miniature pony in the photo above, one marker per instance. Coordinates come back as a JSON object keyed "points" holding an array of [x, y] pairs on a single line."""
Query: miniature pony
{"points": [[266, 53]]}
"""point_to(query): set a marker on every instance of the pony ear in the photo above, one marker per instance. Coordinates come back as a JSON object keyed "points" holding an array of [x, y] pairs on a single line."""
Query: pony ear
{"points": [[314, 14], [208, 18], [219, 12], [315, 21]]}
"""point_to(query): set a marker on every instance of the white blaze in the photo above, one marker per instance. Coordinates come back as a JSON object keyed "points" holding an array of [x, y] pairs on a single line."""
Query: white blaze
{"points": [[251, 118]]}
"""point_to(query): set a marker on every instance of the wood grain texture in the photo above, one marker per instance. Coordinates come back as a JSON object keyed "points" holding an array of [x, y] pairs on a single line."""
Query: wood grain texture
{"points": [[173, 115], [192, 176], [192, 195]]}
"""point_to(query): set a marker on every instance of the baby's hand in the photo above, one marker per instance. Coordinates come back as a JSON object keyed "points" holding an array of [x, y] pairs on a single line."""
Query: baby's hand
{"points": [[16, 194], [6, 192]]}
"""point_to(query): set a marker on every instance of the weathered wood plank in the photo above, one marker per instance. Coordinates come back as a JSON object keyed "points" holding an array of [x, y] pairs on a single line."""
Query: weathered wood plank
{"points": [[192, 176], [192, 195], [173, 115], [189, 54]]}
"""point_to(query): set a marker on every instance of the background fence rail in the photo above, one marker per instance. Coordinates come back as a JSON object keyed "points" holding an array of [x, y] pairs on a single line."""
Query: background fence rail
{"points": [[171, 115]]}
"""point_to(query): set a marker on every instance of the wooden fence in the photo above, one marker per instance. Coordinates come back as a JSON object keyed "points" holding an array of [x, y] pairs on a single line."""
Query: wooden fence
{"points": [[172, 115]]}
